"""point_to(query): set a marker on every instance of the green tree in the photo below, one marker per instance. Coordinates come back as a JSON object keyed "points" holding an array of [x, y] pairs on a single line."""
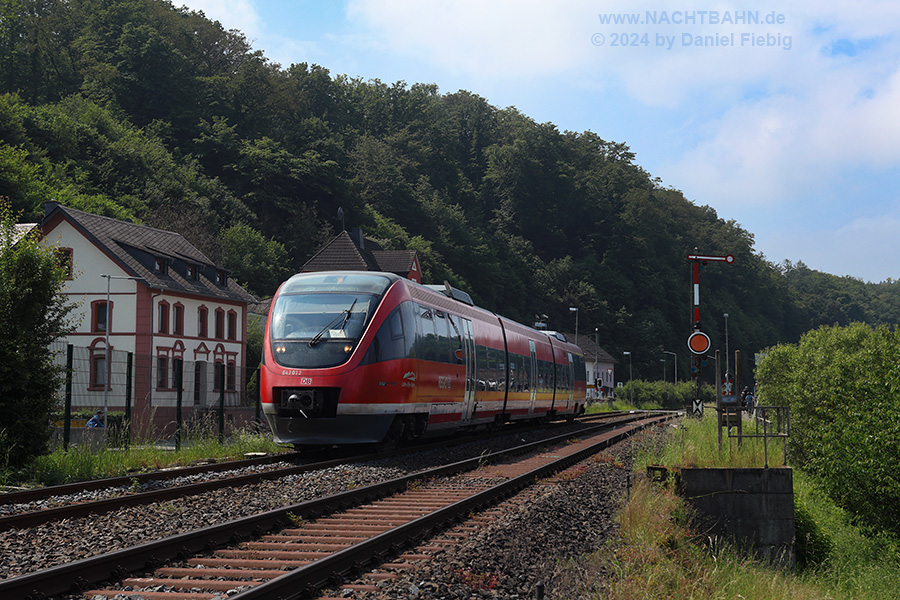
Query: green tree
{"points": [[32, 316], [841, 385], [259, 264]]}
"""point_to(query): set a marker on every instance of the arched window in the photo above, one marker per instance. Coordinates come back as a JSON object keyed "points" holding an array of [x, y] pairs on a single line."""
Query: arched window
{"points": [[163, 316], [232, 325], [202, 322], [99, 366], [219, 366], [220, 324], [178, 319]]}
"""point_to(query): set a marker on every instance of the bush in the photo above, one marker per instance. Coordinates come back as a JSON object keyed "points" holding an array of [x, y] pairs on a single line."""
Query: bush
{"points": [[650, 395], [841, 386]]}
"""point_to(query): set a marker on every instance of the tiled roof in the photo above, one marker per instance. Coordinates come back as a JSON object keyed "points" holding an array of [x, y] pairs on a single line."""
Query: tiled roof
{"points": [[137, 247], [342, 254], [591, 350], [395, 261]]}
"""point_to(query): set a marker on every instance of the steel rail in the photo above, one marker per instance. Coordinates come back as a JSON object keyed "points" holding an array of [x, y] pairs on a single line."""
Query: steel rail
{"points": [[305, 581], [41, 493], [88, 485], [79, 575], [35, 518]]}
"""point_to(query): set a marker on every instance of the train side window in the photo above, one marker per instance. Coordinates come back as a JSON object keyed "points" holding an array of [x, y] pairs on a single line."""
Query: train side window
{"points": [[483, 366], [524, 364], [521, 375], [546, 369], [395, 321], [526, 370], [390, 342], [456, 353], [426, 342], [491, 371], [442, 337], [409, 329], [497, 369]]}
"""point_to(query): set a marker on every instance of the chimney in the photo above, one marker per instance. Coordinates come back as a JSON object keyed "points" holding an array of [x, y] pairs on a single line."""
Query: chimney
{"points": [[356, 234]]}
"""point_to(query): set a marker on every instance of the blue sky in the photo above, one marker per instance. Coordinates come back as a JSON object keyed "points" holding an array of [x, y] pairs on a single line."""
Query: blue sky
{"points": [[783, 116]]}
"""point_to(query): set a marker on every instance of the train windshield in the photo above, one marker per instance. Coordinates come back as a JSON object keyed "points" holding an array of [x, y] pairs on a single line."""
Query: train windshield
{"points": [[317, 321]]}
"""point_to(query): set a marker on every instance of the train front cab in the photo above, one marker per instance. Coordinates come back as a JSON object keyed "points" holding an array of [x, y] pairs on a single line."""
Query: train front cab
{"points": [[308, 400]]}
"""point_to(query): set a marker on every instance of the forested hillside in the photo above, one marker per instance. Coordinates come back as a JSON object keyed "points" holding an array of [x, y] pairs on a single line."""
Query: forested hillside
{"points": [[139, 110]]}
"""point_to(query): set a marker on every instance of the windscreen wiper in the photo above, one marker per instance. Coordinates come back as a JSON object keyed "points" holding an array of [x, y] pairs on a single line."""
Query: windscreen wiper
{"points": [[344, 316]]}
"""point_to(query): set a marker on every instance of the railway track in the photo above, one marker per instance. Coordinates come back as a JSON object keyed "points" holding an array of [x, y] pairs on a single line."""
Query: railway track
{"points": [[392, 514], [121, 494]]}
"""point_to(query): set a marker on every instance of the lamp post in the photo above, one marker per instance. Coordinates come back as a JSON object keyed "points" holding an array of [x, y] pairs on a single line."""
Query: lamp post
{"points": [[630, 383], [663, 361], [107, 366], [674, 377], [572, 308]]}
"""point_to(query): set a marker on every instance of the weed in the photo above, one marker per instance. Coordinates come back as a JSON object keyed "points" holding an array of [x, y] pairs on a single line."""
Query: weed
{"points": [[479, 581], [296, 520]]}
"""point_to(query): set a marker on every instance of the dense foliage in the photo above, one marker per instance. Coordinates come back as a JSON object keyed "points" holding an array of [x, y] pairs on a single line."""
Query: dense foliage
{"points": [[140, 110], [841, 384], [32, 315]]}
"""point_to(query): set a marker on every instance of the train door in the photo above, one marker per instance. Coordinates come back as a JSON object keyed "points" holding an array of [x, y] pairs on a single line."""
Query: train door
{"points": [[468, 347], [533, 376], [571, 398]]}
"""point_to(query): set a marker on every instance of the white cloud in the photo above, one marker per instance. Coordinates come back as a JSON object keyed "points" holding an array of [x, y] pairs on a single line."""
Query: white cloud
{"points": [[232, 14], [506, 39], [864, 248]]}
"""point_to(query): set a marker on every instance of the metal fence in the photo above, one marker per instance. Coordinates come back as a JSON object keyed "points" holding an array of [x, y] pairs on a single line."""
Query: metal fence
{"points": [[150, 382], [158, 391], [768, 422]]}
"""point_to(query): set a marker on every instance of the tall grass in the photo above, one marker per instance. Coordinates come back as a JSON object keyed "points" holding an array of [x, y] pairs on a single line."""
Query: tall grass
{"points": [[855, 566], [694, 443], [199, 441], [660, 556]]}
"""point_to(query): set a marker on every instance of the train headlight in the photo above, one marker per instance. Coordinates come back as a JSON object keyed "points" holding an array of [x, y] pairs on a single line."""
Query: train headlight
{"points": [[348, 348], [280, 349]]}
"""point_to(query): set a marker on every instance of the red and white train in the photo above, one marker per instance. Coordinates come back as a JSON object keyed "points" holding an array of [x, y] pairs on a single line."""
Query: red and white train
{"points": [[360, 357]]}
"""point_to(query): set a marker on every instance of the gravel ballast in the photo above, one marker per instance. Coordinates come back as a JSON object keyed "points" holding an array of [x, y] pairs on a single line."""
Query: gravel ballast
{"points": [[569, 516]]}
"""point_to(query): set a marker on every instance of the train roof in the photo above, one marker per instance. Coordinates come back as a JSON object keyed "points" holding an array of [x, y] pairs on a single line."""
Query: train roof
{"points": [[445, 290], [452, 292]]}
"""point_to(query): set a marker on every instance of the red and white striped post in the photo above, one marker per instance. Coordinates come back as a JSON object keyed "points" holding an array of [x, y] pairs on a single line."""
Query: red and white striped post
{"points": [[698, 342]]}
